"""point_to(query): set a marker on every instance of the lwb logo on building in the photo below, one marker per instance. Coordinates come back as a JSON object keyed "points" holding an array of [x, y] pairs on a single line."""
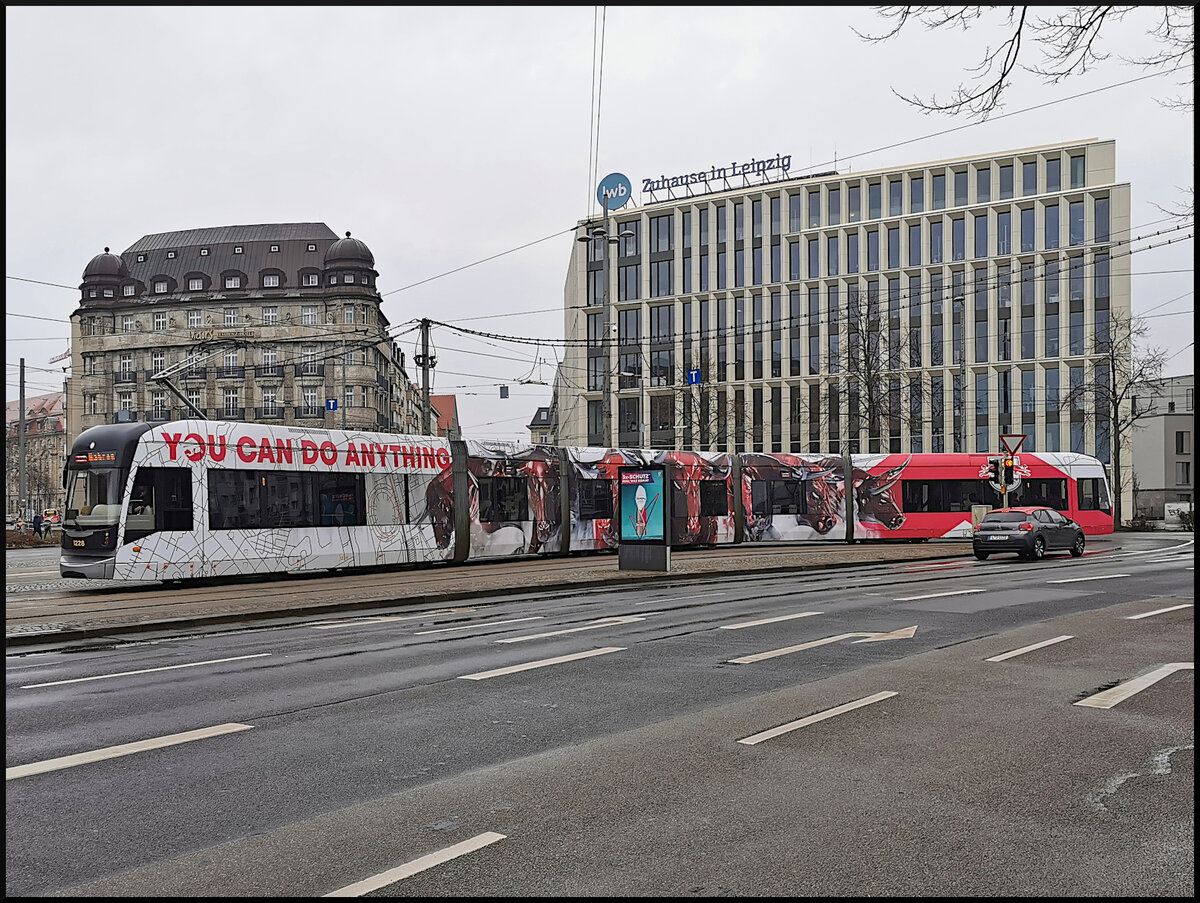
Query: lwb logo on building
{"points": [[614, 191]]}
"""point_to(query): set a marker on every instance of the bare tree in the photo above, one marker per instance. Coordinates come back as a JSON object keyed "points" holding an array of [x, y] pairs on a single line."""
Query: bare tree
{"points": [[1067, 37], [1127, 384]]}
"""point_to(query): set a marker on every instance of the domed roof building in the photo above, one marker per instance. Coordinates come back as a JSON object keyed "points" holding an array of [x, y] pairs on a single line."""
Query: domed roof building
{"points": [[277, 323], [106, 264], [349, 251]]}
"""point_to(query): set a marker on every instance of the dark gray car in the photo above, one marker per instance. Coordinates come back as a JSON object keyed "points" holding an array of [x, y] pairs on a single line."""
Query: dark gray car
{"points": [[1030, 532]]}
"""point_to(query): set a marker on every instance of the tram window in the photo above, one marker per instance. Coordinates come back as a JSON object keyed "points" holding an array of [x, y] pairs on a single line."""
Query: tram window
{"points": [[502, 499], [1093, 496], [172, 498], [339, 500], [233, 499], [1045, 493], [929, 496], [788, 497], [286, 499], [595, 499], [714, 498], [139, 515]]}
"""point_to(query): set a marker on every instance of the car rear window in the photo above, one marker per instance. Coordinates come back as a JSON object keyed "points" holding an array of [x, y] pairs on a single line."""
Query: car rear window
{"points": [[1006, 517]]}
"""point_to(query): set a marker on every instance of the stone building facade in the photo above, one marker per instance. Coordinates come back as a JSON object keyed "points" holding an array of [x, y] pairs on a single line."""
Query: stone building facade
{"points": [[45, 452], [274, 323]]}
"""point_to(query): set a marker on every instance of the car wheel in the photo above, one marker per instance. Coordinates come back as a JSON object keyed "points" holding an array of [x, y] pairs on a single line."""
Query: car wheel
{"points": [[1039, 549], [982, 556], [1077, 549]]}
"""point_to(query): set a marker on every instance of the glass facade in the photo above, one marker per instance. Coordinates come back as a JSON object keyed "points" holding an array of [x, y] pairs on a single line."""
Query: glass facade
{"points": [[957, 289]]}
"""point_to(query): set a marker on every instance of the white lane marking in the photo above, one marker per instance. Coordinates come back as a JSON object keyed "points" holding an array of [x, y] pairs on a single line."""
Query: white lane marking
{"points": [[803, 614], [904, 633], [595, 625], [813, 719], [1162, 551], [125, 749], [957, 592], [478, 624], [351, 622], [528, 666], [1024, 649], [1082, 579], [1173, 560], [417, 865], [930, 567], [680, 598], [1106, 699], [79, 680], [1150, 614]]}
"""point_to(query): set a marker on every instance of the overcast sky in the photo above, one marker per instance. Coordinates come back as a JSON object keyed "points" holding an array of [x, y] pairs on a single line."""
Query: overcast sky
{"points": [[444, 136]]}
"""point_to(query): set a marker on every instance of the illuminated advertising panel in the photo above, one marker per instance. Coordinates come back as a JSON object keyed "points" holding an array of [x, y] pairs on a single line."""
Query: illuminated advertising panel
{"points": [[643, 505]]}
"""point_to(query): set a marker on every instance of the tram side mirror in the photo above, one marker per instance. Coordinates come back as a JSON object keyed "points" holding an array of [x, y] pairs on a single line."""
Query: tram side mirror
{"points": [[72, 513]]}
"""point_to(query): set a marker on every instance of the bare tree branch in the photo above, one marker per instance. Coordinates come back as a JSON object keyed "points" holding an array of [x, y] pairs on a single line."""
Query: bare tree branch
{"points": [[1069, 41]]}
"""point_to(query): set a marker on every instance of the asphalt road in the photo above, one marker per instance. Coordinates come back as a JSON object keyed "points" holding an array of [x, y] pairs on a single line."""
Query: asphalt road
{"points": [[884, 729]]}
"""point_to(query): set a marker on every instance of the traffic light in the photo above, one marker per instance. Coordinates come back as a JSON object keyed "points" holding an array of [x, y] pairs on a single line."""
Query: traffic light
{"points": [[994, 466], [1008, 471]]}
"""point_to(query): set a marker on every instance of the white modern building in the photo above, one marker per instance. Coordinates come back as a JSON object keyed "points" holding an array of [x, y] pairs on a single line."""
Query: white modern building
{"points": [[1163, 456], [925, 307]]}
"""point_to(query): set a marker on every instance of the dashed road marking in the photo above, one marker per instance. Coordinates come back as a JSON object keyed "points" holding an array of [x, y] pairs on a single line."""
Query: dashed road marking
{"points": [[1150, 614], [1024, 649], [365, 886], [125, 749], [803, 614], [528, 666], [813, 719], [957, 592], [1082, 579], [1106, 699], [79, 680]]}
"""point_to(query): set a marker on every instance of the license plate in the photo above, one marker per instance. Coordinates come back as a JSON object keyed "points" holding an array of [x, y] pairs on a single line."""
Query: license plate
{"points": [[994, 537]]}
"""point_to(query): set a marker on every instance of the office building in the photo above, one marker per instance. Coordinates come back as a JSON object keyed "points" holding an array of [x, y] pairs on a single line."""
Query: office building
{"points": [[928, 307]]}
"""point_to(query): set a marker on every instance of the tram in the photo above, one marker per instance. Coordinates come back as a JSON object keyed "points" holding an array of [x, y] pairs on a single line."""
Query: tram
{"points": [[197, 498]]}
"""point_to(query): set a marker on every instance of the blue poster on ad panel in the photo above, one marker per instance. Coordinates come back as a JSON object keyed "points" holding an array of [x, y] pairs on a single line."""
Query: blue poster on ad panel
{"points": [[642, 505]]}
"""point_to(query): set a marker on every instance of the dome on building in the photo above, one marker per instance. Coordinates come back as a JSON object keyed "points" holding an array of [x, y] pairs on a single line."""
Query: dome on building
{"points": [[349, 251], [105, 264]]}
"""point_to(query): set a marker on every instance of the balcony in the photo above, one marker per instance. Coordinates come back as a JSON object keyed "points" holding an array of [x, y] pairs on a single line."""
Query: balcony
{"points": [[158, 415], [310, 413], [125, 376], [231, 373], [310, 369], [268, 370], [195, 373], [226, 413], [269, 412]]}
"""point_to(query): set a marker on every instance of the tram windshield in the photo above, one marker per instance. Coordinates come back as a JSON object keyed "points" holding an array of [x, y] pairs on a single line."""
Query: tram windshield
{"points": [[93, 498]]}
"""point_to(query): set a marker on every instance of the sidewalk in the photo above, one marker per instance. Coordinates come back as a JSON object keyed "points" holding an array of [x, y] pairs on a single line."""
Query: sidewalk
{"points": [[59, 613]]}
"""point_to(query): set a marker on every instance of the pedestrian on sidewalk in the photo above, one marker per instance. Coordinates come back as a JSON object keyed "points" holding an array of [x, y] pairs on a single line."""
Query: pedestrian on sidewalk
{"points": [[37, 525]]}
